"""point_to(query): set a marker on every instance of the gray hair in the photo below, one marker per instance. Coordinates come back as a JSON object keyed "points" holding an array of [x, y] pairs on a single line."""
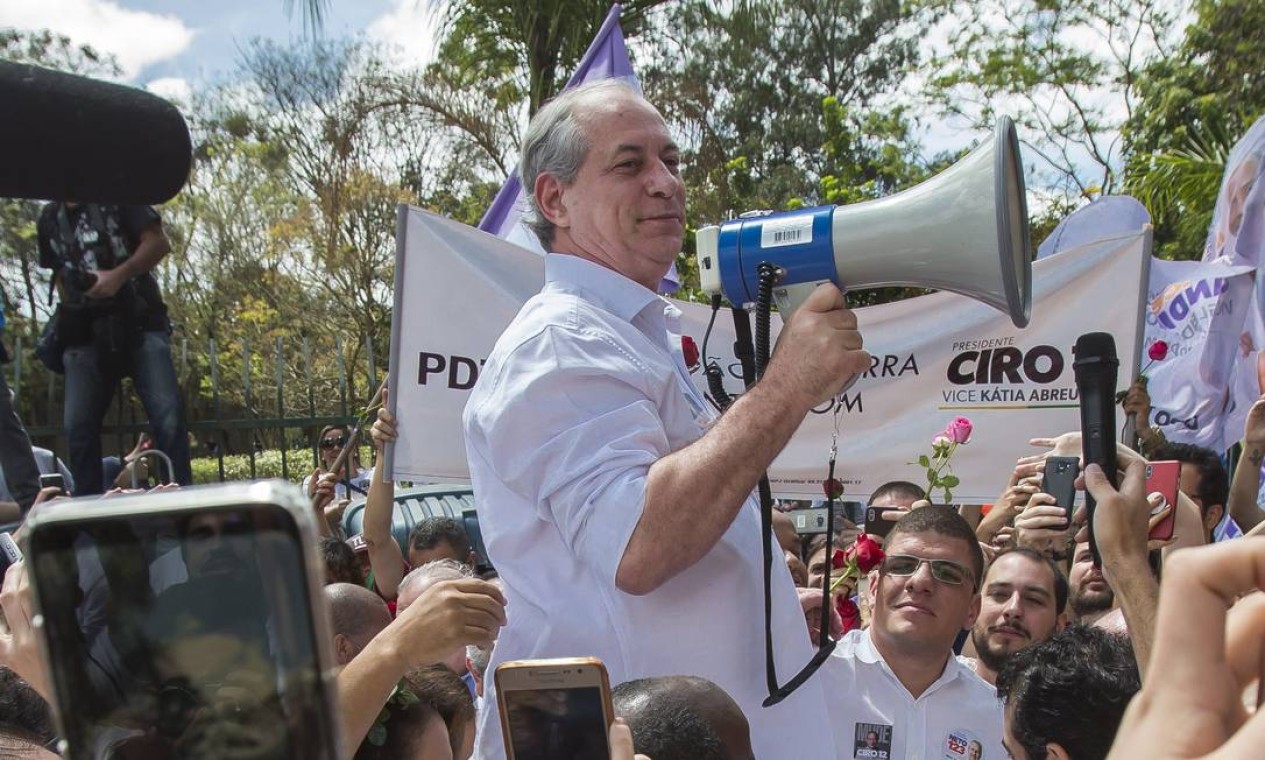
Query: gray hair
{"points": [[479, 658], [424, 576], [555, 144]]}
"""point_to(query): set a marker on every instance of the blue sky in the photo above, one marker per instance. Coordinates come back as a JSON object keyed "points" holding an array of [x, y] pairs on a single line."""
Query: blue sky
{"points": [[173, 46]]}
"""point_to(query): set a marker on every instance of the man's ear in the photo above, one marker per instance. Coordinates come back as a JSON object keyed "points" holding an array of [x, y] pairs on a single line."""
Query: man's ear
{"points": [[548, 192], [344, 650], [1213, 517], [1053, 751], [972, 612]]}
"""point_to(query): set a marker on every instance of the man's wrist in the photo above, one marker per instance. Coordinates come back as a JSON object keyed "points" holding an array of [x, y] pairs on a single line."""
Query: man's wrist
{"points": [[1255, 453], [1119, 564]]}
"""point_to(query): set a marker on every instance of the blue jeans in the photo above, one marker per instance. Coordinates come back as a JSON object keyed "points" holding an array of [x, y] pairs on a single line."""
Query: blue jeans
{"points": [[89, 389]]}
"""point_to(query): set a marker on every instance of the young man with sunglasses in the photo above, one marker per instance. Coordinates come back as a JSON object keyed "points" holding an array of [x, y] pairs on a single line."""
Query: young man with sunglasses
{"points": [[899, 677]]}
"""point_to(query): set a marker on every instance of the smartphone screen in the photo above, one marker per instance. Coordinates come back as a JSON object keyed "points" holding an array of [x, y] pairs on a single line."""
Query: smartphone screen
{"points": [[550, 712], [1164, 477], [184, 634]]}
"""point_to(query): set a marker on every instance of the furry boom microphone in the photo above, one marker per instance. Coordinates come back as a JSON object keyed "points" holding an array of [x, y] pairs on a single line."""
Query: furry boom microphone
{"points": [[66, 137]]}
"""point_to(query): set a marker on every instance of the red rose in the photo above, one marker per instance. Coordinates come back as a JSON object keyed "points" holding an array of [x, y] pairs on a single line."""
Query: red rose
{"points": [[849, 613], [869, 554], [1157, 351], [833, 488], [690, 349], [838, 559]]}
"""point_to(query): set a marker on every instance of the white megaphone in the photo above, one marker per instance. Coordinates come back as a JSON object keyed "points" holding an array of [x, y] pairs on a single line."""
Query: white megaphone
{"points": [[964, 230]]}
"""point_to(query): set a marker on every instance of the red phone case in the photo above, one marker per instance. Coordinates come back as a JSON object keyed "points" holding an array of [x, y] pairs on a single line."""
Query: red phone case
{"points": [[1164, 477]]}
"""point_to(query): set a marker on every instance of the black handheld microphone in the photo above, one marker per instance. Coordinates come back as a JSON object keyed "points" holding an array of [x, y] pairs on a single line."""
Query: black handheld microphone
{"points": [[70, 138], [1095, 367]]}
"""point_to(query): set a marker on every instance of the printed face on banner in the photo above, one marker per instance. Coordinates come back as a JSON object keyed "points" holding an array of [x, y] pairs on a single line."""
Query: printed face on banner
{"points": [[1198, 309]]}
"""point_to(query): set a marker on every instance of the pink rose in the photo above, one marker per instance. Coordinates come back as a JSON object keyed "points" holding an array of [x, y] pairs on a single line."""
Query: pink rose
{"points": [[959, 430]]}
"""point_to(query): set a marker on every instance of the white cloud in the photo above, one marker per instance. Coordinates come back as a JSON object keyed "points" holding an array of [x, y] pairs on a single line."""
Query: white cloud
{"points": [[135, 38], [409, 30], [175, 89]]}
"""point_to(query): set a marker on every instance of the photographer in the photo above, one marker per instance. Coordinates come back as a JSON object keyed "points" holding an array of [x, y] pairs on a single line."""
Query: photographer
{"points": [[111, 322]]}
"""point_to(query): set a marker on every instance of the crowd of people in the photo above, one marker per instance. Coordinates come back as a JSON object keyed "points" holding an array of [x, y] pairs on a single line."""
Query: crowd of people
{"points": [[618, 515]]}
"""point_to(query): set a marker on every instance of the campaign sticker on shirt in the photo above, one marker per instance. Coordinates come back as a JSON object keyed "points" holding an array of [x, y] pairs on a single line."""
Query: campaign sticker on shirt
{"points": [[963, 745], [873, 741]]}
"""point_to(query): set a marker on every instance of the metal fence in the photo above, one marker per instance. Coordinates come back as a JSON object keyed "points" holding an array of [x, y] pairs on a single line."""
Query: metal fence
{"points": [[238, 400]]}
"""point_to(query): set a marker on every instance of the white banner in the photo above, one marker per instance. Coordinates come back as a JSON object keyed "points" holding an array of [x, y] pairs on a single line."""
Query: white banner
{"points": [[1197, 308], [935, 357]]}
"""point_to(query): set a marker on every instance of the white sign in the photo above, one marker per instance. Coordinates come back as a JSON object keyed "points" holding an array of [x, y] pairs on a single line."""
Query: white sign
{"points": [[935, 357]]}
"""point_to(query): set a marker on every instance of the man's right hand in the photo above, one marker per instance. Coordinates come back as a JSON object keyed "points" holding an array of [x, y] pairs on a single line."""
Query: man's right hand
{"points": [[1254, 428], [446, 616], [820, 348]]}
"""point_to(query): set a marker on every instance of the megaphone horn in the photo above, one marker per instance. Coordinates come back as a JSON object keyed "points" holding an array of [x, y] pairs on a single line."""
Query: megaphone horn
{"points": [[964, 230]]}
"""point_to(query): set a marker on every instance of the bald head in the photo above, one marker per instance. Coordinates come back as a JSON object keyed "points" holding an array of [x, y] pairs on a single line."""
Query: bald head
{"points": [[357, 615], [683, 716], [421, 578]]}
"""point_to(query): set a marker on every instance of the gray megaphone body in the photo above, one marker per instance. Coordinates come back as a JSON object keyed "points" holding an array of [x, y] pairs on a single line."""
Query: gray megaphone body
{"points": [[964, 230]]}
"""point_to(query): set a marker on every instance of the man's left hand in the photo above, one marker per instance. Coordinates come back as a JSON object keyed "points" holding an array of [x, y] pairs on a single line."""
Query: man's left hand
{"points": [[109, 281]]}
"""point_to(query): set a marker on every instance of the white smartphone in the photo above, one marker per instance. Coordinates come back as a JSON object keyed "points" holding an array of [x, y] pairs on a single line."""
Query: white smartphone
{"points": [[553, 709]]}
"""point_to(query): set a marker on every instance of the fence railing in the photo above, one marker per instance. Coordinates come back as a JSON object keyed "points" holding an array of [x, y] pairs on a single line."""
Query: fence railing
{"points": [[238, 400]]}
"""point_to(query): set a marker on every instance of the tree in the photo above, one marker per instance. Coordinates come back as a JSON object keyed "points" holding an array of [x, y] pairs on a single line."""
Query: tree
{"points": [[1067, 71], [542, 40], [1192, 107]]}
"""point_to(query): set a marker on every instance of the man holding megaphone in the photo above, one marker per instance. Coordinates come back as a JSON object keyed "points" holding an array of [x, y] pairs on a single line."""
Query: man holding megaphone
{"points": [[617, 507]]}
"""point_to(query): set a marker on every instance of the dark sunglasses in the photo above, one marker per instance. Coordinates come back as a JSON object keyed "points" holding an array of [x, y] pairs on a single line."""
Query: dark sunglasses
{"points": [[943, 570], [331, 443]]}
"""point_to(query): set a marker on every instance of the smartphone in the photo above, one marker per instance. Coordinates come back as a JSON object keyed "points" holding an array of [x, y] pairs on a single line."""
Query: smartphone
{"points": [[875, 524], [1164, 477], [53, 480], [185, 624], [1059, 481], [10, 554], [555, 709]]}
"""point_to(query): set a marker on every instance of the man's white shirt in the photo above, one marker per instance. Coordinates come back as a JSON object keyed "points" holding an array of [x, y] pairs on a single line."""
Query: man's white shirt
{"points": [[957, 709], [581, 395]]}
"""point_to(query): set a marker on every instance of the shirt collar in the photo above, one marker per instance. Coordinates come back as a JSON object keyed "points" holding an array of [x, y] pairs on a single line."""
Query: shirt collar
{"points": [[598, 284], [866, 652]]}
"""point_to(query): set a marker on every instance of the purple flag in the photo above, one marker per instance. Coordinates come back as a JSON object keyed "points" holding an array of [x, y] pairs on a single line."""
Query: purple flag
{"points": [[606, 58]]}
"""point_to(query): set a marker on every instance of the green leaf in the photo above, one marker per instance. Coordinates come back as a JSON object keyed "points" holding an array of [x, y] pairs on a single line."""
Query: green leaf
{"points": [[950, 481], [933, 477], [948, 496], [924, 461]]}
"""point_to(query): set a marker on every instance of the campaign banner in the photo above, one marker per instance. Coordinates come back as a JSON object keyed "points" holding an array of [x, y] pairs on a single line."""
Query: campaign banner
{"points": [[935, 357], [1198, 308]]}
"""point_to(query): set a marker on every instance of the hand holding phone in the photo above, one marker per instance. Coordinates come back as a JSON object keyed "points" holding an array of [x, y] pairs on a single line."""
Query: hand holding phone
{"points": [[53, 480], [1163, 478], [19, 642], [1059, 481]]}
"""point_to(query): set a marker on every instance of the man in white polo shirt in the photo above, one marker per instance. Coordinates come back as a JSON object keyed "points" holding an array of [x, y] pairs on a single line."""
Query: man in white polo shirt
{"points": [[616, 507], [898, 690]]}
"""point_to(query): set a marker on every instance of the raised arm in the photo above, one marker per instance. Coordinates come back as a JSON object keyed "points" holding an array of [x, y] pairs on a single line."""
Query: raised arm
{"points": [[693, 495], [447, 615], [1121, 523], [1246, 483], [385, 556]]}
